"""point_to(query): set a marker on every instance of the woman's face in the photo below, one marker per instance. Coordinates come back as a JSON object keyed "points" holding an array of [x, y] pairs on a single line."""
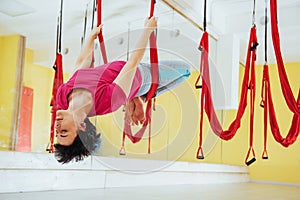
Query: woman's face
{"points": [[66, 127]]}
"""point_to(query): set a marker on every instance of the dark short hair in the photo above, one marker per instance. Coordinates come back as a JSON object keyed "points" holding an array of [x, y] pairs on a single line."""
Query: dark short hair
{"points": [[85, 144]]}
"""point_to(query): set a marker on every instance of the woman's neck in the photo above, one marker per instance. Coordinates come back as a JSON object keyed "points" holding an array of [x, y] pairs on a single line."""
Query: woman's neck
{"points": [[80, 103]]}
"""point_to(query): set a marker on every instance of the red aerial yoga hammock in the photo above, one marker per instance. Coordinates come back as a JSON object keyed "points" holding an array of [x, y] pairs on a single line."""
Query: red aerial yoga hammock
{"points": [[151, 93], [267, 101], [58, 79], [293, 105], [206, 97]]}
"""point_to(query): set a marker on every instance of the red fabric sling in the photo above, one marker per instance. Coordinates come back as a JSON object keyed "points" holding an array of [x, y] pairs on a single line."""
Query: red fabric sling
{"points": [[58, 80], [151, 93], [267, 101], [153, 60], [264, 86], [206, 97], [294, 130], [100, 35], [264, 104], [293, 105]]}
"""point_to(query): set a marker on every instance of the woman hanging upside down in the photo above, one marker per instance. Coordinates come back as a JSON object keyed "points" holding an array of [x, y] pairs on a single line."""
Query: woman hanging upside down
{"points": [[104, 89]]}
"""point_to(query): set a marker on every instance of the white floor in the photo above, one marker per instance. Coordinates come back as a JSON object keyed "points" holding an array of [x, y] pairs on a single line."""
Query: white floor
{"points": [[234, 191]]}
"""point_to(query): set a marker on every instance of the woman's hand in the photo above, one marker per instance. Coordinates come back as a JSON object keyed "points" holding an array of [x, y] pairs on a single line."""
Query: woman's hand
{"points": [[134, 112], [150, 23], [96, 30]]}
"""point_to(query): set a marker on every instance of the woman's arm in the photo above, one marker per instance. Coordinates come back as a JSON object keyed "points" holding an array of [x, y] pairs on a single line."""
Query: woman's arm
{"points": [[84, 60], [126, 75]]}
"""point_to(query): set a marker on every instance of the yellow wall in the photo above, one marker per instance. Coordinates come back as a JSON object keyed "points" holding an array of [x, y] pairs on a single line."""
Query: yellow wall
{"points": [[8, 60], [40, 79], [283, 163]]}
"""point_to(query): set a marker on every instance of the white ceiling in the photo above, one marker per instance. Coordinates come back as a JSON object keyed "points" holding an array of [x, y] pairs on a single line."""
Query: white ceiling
{"points": [[224, 17]]}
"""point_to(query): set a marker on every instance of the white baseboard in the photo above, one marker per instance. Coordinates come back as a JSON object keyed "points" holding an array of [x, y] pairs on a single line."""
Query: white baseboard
{"points": [[24, 172], [275, 183]]}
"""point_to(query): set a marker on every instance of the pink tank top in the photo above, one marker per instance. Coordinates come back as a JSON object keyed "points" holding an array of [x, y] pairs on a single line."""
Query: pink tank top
{"points": [[108, 96]]}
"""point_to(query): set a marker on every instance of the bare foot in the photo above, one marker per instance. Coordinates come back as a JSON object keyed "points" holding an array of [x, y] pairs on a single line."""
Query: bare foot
{"points": [[129, 108]]}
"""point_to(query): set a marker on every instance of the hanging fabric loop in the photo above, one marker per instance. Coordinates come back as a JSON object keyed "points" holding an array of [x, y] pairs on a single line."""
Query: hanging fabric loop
{"points": [[200, 154], [153, 59], [204, 64], [58, 79], [264, 94], [203, 47], [267, 100], [294, 130], [139, 135], [252, 84], [253, 159], [293, 105], [149, 97], [264, 89], [248, 84]]}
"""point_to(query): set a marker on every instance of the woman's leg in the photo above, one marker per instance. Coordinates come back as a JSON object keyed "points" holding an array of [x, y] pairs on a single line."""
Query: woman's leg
{"points": [[171, 74]]}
